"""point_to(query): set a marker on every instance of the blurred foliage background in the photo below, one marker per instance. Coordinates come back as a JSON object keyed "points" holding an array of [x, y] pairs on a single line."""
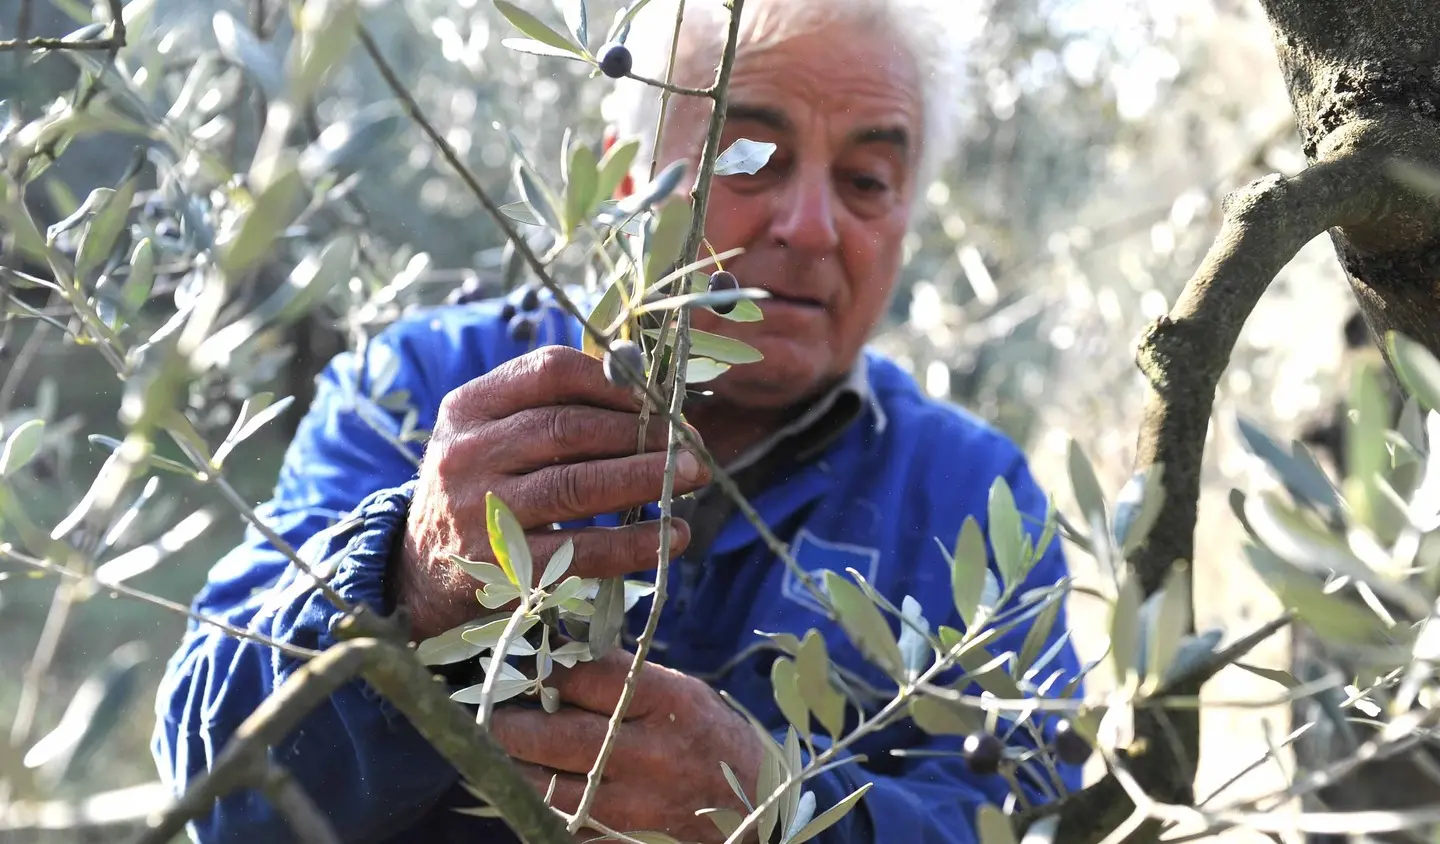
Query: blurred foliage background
{"points": [[1084, 195]]}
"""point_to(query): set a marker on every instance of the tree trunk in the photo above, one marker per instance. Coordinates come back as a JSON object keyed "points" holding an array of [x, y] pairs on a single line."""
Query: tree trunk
{"points": [[1376, 64], [1348, 61]]}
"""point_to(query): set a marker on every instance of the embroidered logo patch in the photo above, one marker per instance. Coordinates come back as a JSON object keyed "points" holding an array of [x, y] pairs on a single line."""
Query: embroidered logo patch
{"points": [[817, 556]]}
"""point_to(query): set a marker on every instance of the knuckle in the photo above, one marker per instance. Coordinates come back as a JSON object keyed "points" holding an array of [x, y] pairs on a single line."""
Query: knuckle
{"points": [[564, 427], [557, 361], [570, 489]]}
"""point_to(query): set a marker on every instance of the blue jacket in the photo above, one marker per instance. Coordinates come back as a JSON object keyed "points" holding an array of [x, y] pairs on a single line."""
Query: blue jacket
{"points": [[877, 502]]}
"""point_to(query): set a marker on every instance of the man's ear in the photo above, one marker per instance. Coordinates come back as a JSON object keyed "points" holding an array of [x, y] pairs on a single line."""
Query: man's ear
{"points": [[627, 183]]}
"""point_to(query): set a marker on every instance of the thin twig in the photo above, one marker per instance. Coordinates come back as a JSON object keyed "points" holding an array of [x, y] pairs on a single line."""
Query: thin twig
{"points": [[38, 669], [497, 659], [704, 93], [7, 552]]}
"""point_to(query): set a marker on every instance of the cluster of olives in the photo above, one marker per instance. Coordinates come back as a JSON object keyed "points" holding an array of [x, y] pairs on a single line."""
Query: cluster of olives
{"points": [[984, 752], [523, 322]]}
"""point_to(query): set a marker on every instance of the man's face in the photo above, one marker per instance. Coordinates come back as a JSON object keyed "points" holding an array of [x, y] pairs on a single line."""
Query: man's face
{"points": [[822, 223]]}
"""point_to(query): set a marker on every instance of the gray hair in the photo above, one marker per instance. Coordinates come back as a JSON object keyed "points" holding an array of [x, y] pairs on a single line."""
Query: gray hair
{"points": [[935, 33]]}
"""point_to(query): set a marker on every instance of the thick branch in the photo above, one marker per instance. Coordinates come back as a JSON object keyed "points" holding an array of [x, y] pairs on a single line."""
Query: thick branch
{"points": [[394, 672], [1183, 355]]}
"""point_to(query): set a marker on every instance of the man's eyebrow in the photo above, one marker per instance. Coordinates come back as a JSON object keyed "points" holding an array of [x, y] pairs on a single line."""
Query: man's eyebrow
{"points": [[775, 119], [771, 118], [895, 136]]}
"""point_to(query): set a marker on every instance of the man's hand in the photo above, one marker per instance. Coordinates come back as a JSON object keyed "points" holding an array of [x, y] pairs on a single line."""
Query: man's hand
{"points": [[666, 761], [556, 441]]}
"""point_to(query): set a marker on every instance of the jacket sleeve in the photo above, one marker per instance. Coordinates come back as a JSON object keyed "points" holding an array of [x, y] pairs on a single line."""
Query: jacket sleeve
{"points": [[341, 501], [932, 798]]}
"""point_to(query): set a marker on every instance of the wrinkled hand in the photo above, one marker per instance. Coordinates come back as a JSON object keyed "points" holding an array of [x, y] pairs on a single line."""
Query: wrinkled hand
{"points": [[556, 441], [666, 761]]}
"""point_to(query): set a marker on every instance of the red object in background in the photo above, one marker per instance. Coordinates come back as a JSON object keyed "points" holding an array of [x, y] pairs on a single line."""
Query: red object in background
{"points": [[627, 184]]}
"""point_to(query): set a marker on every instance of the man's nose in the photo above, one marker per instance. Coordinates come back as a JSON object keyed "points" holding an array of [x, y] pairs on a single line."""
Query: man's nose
{"points": [[804, 217]]}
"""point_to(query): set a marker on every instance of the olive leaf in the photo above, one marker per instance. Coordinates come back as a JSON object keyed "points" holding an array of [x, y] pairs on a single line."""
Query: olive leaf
{"points": [[613, 166], [1304, 481], [609, 618], [1125, 628], [537, 197], [700, 370], [559, 564], [969, 572], [864, 624], [1006, 534], [577, 20], [448, 647], [103, 229], [744, 156], [785, 682], [21, 446], [581, 178], [1085, 486], [812, 663], [716, 347], [830, 816], [940, 717], [507, 542], [535, 28], [1417, 369]]}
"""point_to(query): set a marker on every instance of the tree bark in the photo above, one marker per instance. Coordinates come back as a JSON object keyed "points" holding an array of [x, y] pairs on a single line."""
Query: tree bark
{"points": [[1376, 64], [1376, 61]]}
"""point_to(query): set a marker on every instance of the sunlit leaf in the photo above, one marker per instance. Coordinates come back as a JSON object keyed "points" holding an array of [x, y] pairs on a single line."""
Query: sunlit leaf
{"points": [[1039, 634], [534, 27], [345, 146], [648, 195], [540, 48], [1125, 628], [701, 370], [1333, 617], [1417, 369], [1303, 480], [1006, 534], [448, 647], [914, 646], [240, 46], [559, 564], [864, 624], [580, 179], [252, 423], [92, 715], [1138, 506], [942, 718], [1166, 621], [613, 167], [1085, 486], [607, 309], [327, 30], [969, 570], [508, 542], [663, 245], [103, 229], [21, 446], [743, 156], [537, 196], [577, 20], [609, 619], [812, 664], [273, 210], [784, 680], [716, 347]]}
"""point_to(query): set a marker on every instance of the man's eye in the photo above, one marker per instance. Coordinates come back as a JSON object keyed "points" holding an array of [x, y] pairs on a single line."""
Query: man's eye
{"points": [[867, 184]]}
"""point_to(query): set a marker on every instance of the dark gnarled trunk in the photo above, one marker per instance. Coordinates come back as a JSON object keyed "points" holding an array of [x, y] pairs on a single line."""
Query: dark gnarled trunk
{"points": [[1372, 63]]}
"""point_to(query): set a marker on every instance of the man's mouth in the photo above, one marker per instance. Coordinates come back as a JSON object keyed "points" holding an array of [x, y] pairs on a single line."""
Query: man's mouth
{"points": [[795, 300]]}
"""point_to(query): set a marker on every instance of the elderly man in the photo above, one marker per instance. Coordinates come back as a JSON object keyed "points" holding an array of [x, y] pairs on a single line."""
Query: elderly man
{"points": [[843, 456]]}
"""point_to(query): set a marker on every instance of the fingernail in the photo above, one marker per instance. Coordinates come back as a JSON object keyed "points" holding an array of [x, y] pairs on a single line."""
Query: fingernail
{"points": [[688, 465]]}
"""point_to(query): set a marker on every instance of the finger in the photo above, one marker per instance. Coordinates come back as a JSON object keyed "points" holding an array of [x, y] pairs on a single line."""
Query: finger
{"points": [[568, 740], [545, 436], [596, 685], [580, 490], [546, 376]]}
